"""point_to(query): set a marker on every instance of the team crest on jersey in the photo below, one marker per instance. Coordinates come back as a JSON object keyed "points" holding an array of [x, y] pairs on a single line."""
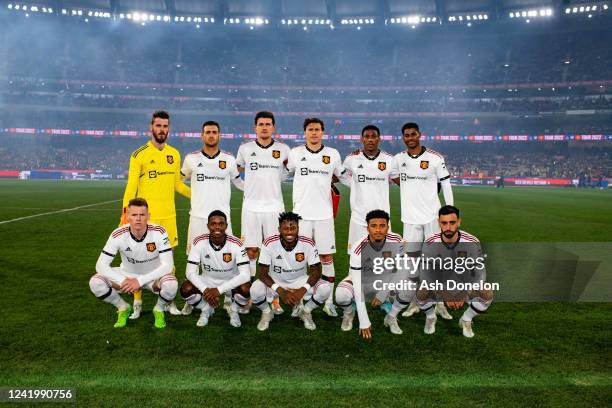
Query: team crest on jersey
{"points": [[326, 159], [151, 246], [424, 164], [299, 256], [170, 159], [462, 254], [382, 166], [276, 154], [222, 164], [227, 257]]}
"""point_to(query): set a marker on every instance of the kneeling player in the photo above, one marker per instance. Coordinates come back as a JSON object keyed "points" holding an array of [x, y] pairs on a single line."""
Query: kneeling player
{"points": [[146, 261], [283, 264], [453, 243], [351, 289], [225, 267]]}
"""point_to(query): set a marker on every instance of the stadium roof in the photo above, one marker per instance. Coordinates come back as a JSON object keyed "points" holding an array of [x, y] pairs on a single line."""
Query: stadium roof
{"points": [[327, 9]]}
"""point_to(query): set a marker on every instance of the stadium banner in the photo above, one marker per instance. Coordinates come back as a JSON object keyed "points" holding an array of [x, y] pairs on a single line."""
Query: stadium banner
{"points": [[47, 175], [9, 173], [515, 181], [511, 272], [300, 137]]}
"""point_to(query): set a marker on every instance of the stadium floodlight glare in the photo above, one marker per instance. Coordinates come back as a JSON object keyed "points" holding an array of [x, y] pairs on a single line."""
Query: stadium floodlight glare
{"points": [[567, 10]]}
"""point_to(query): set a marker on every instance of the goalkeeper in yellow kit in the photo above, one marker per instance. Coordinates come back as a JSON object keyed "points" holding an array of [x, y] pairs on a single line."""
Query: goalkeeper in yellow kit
{"points": [[154, 175]]}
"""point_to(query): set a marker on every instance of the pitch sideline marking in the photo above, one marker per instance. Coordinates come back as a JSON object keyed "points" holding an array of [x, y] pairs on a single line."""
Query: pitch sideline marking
{"points": [[56, 212]]}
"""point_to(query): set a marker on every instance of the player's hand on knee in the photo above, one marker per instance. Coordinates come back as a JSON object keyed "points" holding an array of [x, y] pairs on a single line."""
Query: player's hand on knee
{"points": [[366, 333], [376, 302], [211, 295], [130, 285], [295, 295]]}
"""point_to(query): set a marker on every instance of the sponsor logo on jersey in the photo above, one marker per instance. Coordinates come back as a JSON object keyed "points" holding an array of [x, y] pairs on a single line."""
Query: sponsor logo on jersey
{"points": [[382, 166], [253, 154], [276, 154], [326, 159], [360, 166], [279, 257], [254, 166], [227, 257], [152, 174], [303, 159], [222, 164], [403, 164], [206, 256], [361, 178], [200, 165], [128, 249], [151, 246], [152, 162], [299, 256], [170, 159], [424, 164]]}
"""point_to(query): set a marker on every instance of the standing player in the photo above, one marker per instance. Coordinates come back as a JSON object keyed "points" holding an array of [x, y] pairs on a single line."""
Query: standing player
{"points": [[284, 264], [154, 175], [263, 162], [225, 267], [313, 166], [420, 169], [350, 289], [453, 242], [368, 174], [146, 261]]}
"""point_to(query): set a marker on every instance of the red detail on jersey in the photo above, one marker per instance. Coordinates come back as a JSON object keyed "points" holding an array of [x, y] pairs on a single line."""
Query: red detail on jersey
{"points": [[435, 153], [156, 228], [271, 239], [200, 238], [302, 238], [121, 231], [394, 237], [360, 246], [467, 236], [234, 240], [386, 154], [335, 196], [433, 237]]}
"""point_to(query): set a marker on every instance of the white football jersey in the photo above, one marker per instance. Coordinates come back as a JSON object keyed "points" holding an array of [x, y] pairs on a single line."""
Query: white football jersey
{"points": [[210, 181], [139, 258], [369, 183], [288, 266], [356, 278], [228, 262], [312, 181], [419, 177], [264, 169]]}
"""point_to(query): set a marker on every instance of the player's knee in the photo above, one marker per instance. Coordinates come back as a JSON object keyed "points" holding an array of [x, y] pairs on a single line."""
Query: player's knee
{"points": [[98, 285], [344, 296], [168, 285], [323, 289], [243, 290], [424, 295], [406, 296], [188, 289], [258, 291], [326, 258], [252, 253]]}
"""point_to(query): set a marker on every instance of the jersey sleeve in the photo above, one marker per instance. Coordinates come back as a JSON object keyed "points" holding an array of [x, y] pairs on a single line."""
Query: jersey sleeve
{"points": [[187, 168], [264, 256], [441, 171], [193, 267], [235, 175], [242, 267], [339, 169], [131, 188], [240, 156], [291, 161], [103, 266], [393, 168], [179, 186], [313, 255]]}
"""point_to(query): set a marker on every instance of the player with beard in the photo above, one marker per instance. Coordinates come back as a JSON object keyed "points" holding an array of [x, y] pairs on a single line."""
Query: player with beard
{"points": [[155, 175]]}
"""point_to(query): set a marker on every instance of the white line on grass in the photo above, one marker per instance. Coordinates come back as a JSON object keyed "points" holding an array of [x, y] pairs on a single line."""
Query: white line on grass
{"points": [[56, 212]]}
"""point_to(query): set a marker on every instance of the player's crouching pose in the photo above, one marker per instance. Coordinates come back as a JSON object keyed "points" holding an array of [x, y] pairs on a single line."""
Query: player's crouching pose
{"points": [[352, 288], [453, 242], [225, 267], [289, 268], [146, 261]]}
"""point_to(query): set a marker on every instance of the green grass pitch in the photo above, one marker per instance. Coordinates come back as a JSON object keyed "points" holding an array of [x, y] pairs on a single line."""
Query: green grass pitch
{"points": [[54, 333]]}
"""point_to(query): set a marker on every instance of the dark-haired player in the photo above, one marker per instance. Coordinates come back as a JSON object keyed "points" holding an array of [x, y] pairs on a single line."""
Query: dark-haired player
{"points": [[289, 268], [225, 267]]}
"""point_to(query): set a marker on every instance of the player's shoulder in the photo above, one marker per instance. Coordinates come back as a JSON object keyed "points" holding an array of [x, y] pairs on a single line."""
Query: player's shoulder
{"points": [[393, 237], [154, 228], [298, 149], [172, 150], [227, 155], [194, 154], [437, 237], [358, 247], [234, 241], [330, 151], [467, 237], [401, 154], [434, 153], [143, 148], [271, 240], [200, 238], [306, 241], [385, 155], [354, 155], [280, 145], [118, 232]]}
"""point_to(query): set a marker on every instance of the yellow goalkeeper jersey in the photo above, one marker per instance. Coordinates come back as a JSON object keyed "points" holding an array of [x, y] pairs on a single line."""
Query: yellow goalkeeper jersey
{"points": [[154, 175]]}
